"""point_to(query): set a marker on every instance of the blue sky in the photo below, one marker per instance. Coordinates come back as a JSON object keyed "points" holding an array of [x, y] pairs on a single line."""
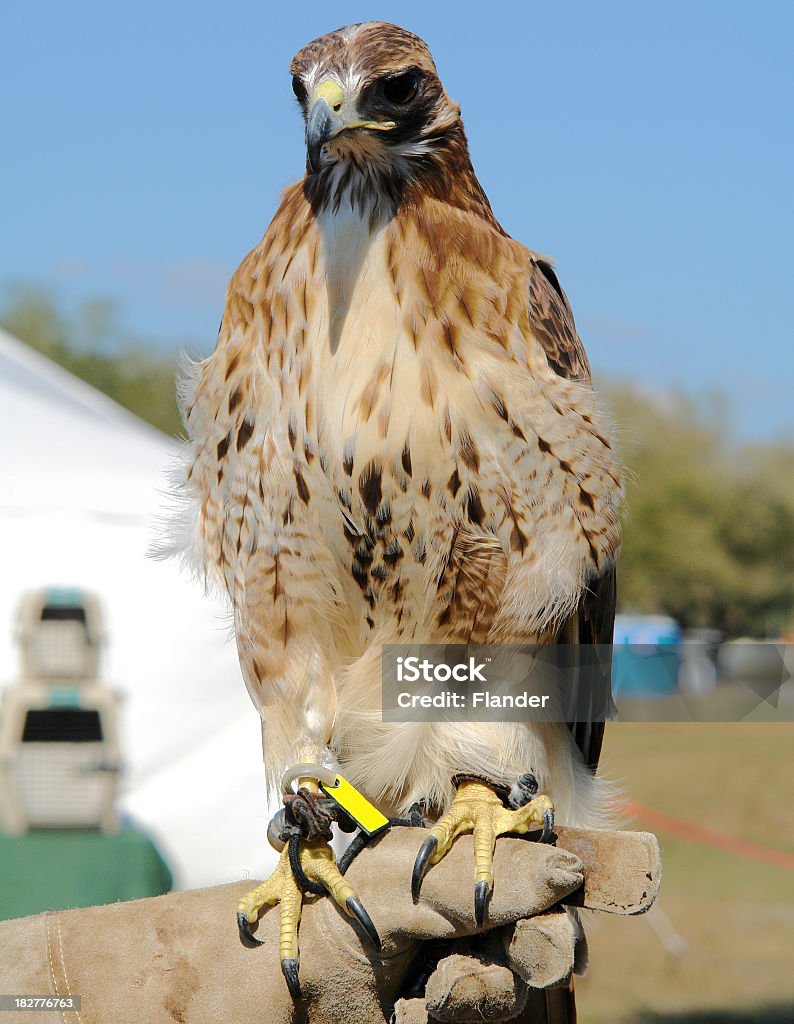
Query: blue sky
{"points": [[648, 148]]}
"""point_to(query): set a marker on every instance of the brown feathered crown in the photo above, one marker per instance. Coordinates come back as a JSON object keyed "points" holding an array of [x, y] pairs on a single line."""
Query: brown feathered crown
{"points": [[380, 128]]}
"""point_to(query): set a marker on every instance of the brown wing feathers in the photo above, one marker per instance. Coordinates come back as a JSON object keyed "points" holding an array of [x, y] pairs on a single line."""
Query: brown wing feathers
{"points": [[553, 325]]}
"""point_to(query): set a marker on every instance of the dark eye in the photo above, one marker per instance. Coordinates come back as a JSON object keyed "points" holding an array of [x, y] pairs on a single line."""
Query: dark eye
{"points": [[401, 89], [298, 88]]}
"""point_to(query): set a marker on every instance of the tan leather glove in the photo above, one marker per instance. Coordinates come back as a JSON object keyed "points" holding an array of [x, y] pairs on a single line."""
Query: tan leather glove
{"points": [[178, 958], [521, 972]]}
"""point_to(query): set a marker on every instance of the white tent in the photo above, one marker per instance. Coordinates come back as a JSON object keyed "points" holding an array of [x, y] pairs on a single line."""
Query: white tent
{"points": [[81, 484]]}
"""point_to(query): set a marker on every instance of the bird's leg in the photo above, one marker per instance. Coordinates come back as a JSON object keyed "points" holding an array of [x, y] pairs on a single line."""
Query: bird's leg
{"points": [[306, 866], [317, 864], [477, 808]]}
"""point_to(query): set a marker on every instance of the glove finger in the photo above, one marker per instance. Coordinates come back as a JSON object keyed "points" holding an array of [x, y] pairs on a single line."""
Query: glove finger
{"points": [[541, 950], [529, 878], [468, 989], [410, 1011], [623, 870]]}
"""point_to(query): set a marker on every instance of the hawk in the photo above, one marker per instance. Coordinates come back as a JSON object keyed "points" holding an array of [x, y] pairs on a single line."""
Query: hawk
{"points": [[396, 440]]}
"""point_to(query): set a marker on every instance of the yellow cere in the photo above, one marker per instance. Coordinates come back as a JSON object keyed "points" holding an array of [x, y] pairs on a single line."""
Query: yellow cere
{"points": [[333, 95], [331, 92]]}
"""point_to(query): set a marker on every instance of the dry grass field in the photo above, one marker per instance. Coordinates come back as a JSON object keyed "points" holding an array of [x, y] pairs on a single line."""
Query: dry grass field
{"points": [[734, 914]]}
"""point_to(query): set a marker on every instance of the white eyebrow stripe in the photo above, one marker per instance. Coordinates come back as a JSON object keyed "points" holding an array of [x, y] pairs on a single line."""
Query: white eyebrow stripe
{"points": [[310, 76], [350, 80]]}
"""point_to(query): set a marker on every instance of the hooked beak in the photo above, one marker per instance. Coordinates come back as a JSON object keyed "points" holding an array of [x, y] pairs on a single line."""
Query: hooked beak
{"points": [[329, 115], [321, 125]]}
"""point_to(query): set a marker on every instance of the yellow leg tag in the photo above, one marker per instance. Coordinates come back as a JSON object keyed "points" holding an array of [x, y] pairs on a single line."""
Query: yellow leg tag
{"points": [[367, 816]]}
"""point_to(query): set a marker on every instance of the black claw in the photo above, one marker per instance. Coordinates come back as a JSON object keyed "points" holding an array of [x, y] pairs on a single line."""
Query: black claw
{"points": [[481, 893], [548, 826], [246, 935], [421, 865], [289, 968], [356, 908]]}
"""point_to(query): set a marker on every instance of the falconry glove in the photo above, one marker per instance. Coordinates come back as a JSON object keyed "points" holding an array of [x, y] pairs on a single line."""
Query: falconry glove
{"points": [[175, 957]]}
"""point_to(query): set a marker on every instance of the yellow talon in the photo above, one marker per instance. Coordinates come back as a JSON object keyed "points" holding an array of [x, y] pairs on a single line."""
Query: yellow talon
{"points": [[280, 888], [317, 862], [478, 809]]}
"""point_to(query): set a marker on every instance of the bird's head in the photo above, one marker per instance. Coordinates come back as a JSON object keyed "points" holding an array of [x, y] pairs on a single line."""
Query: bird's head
{"points": [[376, 114]]}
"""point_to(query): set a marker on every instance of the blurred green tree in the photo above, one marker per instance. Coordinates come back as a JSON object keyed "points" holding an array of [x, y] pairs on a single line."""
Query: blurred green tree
{"points": [[709, 530], [93, 346]]}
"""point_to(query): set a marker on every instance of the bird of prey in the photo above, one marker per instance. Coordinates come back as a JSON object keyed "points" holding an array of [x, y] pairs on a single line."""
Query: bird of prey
{"points": [[396, 440]]}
